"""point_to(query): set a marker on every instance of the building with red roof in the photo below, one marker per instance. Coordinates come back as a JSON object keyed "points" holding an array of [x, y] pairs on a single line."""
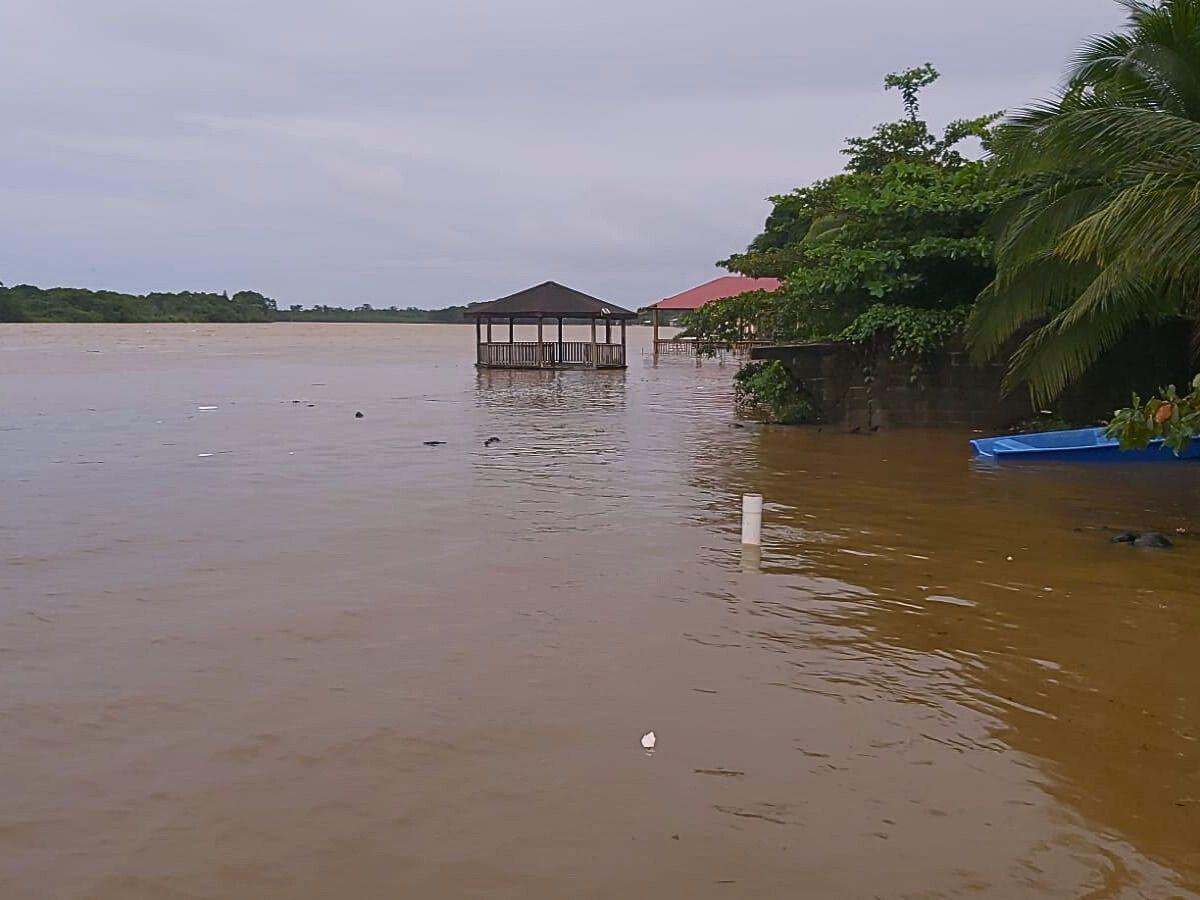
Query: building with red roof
{"points": [[718, 289]]}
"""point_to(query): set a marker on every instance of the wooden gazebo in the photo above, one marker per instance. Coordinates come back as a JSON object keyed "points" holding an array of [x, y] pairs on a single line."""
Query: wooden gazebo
{"points": [[555, 302]]}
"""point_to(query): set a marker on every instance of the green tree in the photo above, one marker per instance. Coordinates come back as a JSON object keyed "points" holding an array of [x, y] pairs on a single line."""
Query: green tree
{"points": [[1105, 232], [901, 228]]}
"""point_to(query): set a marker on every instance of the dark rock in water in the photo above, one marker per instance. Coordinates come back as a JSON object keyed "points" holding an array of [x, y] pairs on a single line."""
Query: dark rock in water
{"points": [[1125, 537], [1153, 539], [736, 425], [490, 441], [358, 415], [433, 443]]}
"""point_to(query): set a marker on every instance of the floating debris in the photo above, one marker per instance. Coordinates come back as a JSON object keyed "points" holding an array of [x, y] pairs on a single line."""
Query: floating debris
{"points": [[649, 739], [205, 408], [490, 441], [433, 443], [1153, 540], [358, 415], [203, 455]]}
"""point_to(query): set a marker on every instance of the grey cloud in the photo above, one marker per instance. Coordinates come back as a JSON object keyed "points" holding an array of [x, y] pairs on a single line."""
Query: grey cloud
{"points": [[379, 152]]}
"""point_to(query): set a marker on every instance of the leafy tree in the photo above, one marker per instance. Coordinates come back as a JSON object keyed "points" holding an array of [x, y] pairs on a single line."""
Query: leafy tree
{"points": [[909, 139], [23, 303], [901, 227], [1105, 232], [28, 303]]}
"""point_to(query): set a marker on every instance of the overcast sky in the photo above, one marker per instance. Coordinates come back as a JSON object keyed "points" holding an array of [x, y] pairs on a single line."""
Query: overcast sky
{"points": [[431, 153]]}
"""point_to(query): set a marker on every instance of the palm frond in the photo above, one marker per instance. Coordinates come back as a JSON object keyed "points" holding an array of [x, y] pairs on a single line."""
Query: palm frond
{"points": [[1046, 217], [1062, 350], [1173, 78], [1103, 139], [1152, 226], [1020, 297]]}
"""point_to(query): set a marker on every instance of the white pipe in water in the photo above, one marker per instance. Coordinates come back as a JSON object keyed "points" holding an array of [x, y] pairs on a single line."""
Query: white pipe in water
{"points": [[752, 507]]}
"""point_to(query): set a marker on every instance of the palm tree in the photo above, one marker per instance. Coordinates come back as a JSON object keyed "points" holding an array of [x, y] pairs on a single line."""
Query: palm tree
{"points": [[1105, 231]]}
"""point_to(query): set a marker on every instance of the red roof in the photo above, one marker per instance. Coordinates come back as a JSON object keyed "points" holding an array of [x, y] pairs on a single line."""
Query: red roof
{"points": [[717, 289]]}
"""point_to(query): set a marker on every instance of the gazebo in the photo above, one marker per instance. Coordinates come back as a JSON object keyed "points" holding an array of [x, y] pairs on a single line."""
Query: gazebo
{"points": [[553, 301]]}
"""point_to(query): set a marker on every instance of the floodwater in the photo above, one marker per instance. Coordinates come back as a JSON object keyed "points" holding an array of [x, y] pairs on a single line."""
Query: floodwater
{"points": [[270, 650]]}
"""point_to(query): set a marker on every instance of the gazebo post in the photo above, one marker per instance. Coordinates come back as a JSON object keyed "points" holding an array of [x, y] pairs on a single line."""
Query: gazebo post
{"points": [[560, 342], [594, 361], [623, 354], [489, 330], [654, 319], [511, 322], [608, 331], [478, 340], [541, 353]]}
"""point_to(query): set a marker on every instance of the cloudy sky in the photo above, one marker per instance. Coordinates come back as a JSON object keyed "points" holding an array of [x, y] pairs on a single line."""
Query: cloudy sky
{"points": [[444, 151]]}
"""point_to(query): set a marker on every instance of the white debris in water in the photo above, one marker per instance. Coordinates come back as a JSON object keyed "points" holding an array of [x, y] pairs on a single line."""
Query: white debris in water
{"points": [[202, 455], [649, 740], [205, 408]]}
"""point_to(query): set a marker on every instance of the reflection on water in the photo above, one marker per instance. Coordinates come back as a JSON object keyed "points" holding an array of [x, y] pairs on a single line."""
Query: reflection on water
{"points": [[941, 584], [330, 659]]}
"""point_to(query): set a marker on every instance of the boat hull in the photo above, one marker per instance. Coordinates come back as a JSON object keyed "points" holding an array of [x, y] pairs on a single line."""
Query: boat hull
{"points": [[1080, 445]]}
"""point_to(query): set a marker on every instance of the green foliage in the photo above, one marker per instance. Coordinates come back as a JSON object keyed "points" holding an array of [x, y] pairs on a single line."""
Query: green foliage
{"points": [[725, 321], [769, 387], [11, 309], [909, 139], [903, 226], [1105, 232], [1171, 417], [915, 332], [25, 303]]}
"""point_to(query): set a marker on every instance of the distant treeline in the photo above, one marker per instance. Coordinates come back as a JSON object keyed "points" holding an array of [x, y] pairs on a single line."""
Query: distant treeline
{"points": [[26, 303]]}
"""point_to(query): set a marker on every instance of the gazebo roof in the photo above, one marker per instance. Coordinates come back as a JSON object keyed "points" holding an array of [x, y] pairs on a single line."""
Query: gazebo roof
{"points": [[717, 289], [553, 300]]}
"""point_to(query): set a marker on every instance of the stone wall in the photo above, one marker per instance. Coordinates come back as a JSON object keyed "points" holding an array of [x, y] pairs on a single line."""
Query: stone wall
{"points": [[862, 386]]}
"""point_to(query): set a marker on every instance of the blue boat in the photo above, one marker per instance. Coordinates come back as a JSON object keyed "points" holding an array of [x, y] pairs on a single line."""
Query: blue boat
{"points": [[1082, 444]]}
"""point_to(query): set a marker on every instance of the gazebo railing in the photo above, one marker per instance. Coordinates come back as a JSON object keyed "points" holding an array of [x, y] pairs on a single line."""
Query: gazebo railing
{"points": [[549, 354], [608, 355]]}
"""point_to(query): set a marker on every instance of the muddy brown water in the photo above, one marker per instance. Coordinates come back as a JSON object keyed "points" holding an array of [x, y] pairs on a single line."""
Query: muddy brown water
{"points": [[330, 661]]}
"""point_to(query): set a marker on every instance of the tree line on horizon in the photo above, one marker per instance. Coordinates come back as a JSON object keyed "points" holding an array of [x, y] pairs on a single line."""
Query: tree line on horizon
{"points": [[26, 303]]}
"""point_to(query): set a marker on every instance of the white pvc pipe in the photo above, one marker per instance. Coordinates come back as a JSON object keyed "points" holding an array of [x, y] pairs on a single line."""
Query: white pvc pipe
{"points": [[752, 506]]}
